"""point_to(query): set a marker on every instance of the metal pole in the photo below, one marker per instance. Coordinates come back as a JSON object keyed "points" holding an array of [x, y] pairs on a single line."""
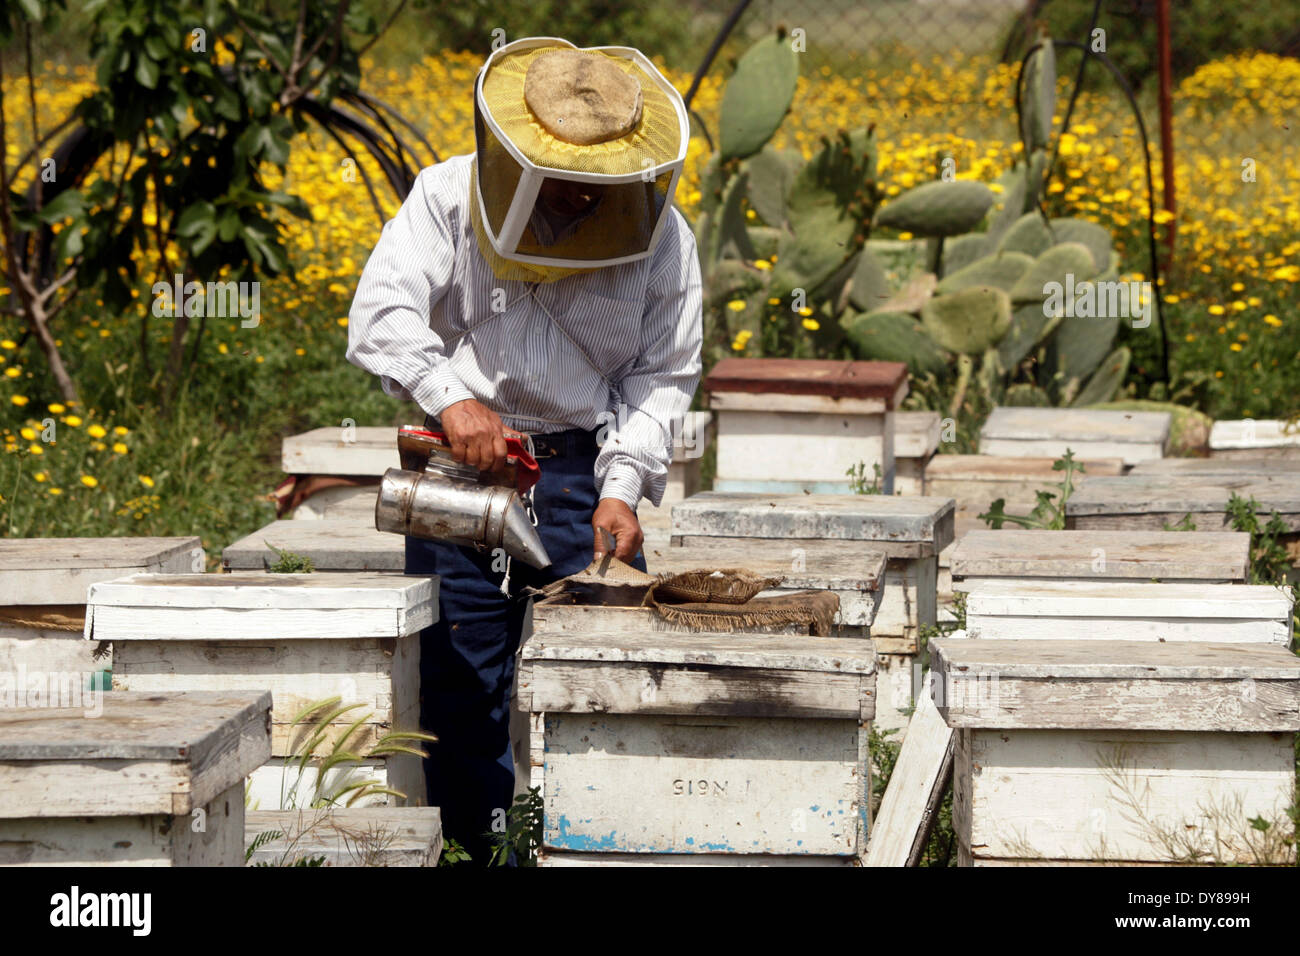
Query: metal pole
{"points": [[1166, 119]]}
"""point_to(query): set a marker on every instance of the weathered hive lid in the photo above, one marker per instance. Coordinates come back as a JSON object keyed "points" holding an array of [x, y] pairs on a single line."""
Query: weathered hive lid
{"points": [[1205, 555], [59, 570], [1229, 467], [253, 606], [1127, 685], [1011, 468], [332, 544], [916, 434], [185, 748], [1075, 424], [902, 526], [1187, 494], [885, 381], [362, 451]]}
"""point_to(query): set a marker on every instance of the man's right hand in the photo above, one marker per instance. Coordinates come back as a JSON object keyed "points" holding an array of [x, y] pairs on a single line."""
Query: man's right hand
{"points": [[476, 433]]}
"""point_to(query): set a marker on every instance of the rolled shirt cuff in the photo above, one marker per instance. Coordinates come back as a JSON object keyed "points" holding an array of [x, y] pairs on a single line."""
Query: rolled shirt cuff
{"points": [[440, 390], [624, 484]]}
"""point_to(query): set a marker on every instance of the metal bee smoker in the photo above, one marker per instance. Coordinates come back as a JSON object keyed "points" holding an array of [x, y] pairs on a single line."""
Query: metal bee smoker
{"points": [[435, 497]]}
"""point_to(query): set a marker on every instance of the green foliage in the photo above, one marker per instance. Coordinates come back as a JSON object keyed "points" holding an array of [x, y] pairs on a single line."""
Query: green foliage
{"points": [[1204, 30], [523, 831], [1049, 512], [858, 483], [321, 750], [453, 853], [1269, 562], [290, 563], [968, 322]]}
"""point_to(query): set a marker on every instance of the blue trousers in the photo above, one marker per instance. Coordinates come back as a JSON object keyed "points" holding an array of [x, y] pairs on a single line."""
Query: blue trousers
{"points": [[467, 658]]}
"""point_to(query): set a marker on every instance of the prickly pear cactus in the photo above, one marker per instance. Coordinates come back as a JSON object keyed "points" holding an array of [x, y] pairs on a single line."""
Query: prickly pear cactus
{"points": [[757, 96], [938, 208]]}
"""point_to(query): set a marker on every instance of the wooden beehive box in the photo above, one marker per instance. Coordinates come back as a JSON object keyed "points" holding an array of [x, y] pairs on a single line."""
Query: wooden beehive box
{"points": [[43, 584], [1250, 439], [703, 743], [151, 780], [916, 437], [1141, 502], [1118, 752], [345, 836], [332, 544], [799, 425], [911, 531], [1130, 610], [854, 571], [305, 637], [1090, 433], [1192, 557]]}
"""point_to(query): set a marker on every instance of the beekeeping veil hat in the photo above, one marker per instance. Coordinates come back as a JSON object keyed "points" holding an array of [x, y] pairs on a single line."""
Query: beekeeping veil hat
{"points": [[577, 156]]}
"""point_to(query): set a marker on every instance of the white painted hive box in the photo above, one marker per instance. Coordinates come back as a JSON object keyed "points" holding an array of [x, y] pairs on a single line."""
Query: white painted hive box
{"points": [[356, 450], [1250, 439], [796, 425], [1130, 611], [916, 437], [1090, 433], [702, 743], [43, 583], [152, 780], [305, 637], [1012, 555], [1118, 751]]}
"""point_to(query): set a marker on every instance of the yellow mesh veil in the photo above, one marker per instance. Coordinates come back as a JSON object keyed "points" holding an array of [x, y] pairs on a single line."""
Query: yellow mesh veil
{"points": [[517, 230]]}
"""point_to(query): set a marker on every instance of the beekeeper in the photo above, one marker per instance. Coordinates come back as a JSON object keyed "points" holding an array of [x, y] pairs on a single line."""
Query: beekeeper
{"points": [[543, 285]]}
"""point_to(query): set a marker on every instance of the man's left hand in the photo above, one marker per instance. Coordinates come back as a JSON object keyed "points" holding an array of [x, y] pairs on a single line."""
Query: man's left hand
{"points": [[620, 521]]}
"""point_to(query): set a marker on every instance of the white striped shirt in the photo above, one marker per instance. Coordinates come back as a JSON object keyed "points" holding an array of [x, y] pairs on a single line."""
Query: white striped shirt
{"points": [[617, 347]]}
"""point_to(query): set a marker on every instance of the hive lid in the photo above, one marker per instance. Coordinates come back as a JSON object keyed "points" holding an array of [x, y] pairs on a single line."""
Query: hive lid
{"points": [[833, 379], [44, 554], [885, 519], [181, 726], [1211, 555], [702, 648], [1118, 660], [261, 590], [1217, 466], [1075, 424]]}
